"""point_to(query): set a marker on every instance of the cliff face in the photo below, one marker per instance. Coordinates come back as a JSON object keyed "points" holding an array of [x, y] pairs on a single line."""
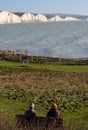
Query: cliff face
{"points": [[27, 17], [41, 17], [56, 18], [8, 17], [70, 19]]}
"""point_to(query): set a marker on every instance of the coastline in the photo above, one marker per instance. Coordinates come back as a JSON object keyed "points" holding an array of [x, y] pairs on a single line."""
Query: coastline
{"points": [[11, 56], [27, 17]]}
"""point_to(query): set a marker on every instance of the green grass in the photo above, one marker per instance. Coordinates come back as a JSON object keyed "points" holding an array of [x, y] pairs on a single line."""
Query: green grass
{"points": [[49, 67], [12, 106], [67, 85], [78, 117]]}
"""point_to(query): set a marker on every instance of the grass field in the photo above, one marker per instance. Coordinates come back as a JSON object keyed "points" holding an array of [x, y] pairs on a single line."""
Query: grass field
{"points": [[19, 65], [67, 85]]}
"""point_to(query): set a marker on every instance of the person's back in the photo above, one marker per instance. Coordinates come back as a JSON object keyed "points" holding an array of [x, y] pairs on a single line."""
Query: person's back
{"points": [[30, 113], [53, 112]]}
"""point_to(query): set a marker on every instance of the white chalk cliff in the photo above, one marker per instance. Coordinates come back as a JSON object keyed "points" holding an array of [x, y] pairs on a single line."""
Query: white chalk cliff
{"points": [[41, 17], [70, 19], [7, 17], [56, 18], [27, 17]]}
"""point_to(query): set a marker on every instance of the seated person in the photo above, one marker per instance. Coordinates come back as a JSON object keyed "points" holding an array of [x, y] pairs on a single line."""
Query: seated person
{"points": [[30, 113], [53, 112]]}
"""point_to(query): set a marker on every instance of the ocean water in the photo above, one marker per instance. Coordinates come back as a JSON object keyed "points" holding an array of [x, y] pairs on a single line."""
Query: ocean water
{"points": [[56, 39]]}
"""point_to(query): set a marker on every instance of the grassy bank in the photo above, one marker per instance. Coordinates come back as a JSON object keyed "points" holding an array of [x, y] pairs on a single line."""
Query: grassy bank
{"points": [[13, 66], [43, 84]]}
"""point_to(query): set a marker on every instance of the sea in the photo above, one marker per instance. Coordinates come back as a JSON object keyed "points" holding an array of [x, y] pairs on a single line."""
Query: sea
{"points": [[68, 39]]}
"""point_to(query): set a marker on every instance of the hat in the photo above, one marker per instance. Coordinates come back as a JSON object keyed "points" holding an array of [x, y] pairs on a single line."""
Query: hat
{"points": [[31, 106], [54, 105]]}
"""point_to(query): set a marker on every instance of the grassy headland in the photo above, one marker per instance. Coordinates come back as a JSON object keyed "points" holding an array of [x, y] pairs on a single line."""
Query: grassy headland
{"points": [[67, 85]]}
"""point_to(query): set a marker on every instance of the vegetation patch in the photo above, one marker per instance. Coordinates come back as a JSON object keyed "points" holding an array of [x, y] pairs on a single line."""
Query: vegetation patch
{"points": [[43, 84]]}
